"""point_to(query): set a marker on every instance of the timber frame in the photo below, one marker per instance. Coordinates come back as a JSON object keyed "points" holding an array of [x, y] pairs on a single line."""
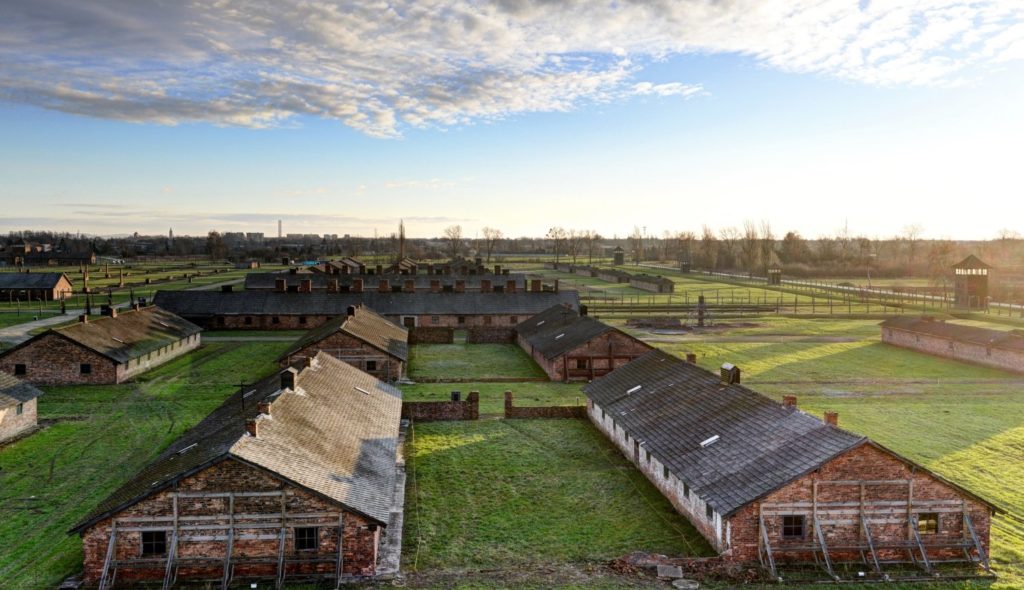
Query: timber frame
{"points": [[227, 528], [874, 551]]}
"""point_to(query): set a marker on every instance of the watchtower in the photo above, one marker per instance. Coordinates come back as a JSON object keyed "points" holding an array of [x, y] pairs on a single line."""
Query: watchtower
{"points": [[971, 283], [619, 256], [774, 275]]}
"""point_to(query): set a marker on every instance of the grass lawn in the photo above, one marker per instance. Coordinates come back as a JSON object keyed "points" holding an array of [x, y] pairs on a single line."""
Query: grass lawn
{"points": [[97, 437], [492, 395], [500, 493], [471, 361]]}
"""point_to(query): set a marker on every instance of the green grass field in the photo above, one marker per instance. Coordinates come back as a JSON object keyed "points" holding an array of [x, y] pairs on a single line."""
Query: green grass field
{"points": [[471, 361], [512, 492], [95, 438]]}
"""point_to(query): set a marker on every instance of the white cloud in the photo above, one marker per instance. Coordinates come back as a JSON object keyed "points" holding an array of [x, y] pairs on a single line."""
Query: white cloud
{"points": [[381, 67]]}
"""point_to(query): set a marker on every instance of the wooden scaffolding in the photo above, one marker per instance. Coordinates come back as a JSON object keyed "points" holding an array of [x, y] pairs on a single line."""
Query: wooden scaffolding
{"points": [[227, 528], [876, 552]]}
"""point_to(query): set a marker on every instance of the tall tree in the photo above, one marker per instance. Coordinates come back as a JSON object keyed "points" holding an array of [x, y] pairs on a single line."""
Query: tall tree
{"points": [[491, 238], [453, 235], [593, 239], [557, 236], [636, 241], [708, 248], [574, 243], [749, 247], [767, 246], [215, 246]]}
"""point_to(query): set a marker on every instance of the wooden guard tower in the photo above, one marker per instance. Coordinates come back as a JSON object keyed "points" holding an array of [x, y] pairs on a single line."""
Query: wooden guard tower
{"points": [[775, 275], [971, 283], [619, 256]]}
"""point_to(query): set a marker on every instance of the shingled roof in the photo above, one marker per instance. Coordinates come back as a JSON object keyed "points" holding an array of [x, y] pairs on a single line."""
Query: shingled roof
{"points": [[559, 329], [204, 304], [971, 261], [335, 435], [365, 325], [31, 280], [14, 391], [967, 334]]}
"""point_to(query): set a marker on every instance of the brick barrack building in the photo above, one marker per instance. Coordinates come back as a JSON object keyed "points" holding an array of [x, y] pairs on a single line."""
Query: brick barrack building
{"points": [[571, 347], [982, 346], [361, 338], [107, 350], [764, 481], [18, 414], [34, 286], [293, 479]]}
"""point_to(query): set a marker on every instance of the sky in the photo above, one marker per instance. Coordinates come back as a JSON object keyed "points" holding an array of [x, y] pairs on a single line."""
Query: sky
{"points": [[819, 116]]}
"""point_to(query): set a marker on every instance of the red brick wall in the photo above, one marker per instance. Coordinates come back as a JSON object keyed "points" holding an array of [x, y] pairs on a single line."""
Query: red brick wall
{"points": [[356, 353], [998, 358], [427, 335], [12, 425], [531, 412], [53, 360], [602, 354], [266, 322], [360, 542], [468, 409]]}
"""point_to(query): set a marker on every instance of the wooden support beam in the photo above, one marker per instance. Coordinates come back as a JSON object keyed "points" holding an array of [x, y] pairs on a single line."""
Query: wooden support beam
{"points": [[920, 546], [339, 568], [768, 560], [871, 546], [172, 554], [111, 546], [824, 550], [229, 548], [977, 544], [280, 560]]}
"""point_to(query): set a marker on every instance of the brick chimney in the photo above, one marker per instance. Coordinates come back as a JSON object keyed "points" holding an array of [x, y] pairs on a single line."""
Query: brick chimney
{"points": [[288, 378], [263, 407], [730, 374], [556, 285], [83, 319], [510, 286], [430, 269], [332, 286], [383, 286], [535, 285], [252, 427], [832, 418], [223, 288], [136, 307], [113, 312], [497, 269], [460, 285], [306, 286], [280, 285], [789, 401], [409, 286], [380, 269], [485, 285], [350, 310], [357, 285], [435, 285], [691, 357]]}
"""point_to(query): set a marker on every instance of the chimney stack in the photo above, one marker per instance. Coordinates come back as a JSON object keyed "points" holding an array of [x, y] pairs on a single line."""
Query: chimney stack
{"points": [[252, 427], [383, 286], [306, 286], [460, 285], [83, 319], [136, 307], [264, 407], [832, 418], [332, 286], [485, 285], [380, 269], [510, 286], [224, 288], [113, 312], [730, 374], [435, 286], [556, 285], [280, 285], [691, 357], [583, 311], [535, 285], [357, 285], [789, 401], [497, 269], [351, 310], [288, 378], [409, 286]]}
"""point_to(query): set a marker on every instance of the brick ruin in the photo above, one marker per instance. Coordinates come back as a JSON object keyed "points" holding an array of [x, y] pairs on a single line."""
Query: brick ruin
{"points": [[356, 353]]}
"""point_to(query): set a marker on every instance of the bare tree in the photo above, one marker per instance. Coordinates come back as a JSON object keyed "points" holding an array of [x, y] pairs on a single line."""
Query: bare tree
{"points": [[912, 236], [215, 246], [636, 240], [749, 246], [708, 248], [557, 237], [593, 239], [491, 238], [727, 240], [767, 246], [453, 235], [575, 241]]}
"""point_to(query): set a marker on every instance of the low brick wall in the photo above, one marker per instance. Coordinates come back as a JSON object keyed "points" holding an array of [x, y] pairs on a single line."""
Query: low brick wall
{"points": [[526, 413], [488, 335], [469, 409], [431, 335]]}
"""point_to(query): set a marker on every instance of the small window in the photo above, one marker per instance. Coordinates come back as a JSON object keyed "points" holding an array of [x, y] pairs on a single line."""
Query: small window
{"points": [[664, 471], [793, 526], [462, 319], [602, 414], [928, 523], [647, 455], [85, 368], [302, 320], [371, 365], [686, 490], [306, 538], [154, 543], [20, 369], [435, 319], [248, 320], [275, 320], [710, 512], [581, 364], [19, 410]]}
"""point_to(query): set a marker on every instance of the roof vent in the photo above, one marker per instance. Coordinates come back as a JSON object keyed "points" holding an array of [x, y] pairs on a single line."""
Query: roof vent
{"points": [[361, 390], [188, 448], [541, 323], [730, 374], [288, 378], [560, 335], [117, 340], [634, 389], [709, 441]]}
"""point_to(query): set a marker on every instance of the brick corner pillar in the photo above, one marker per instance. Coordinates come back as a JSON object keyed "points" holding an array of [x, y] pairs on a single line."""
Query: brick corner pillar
{"points": [[508, 404], [474, 405]]}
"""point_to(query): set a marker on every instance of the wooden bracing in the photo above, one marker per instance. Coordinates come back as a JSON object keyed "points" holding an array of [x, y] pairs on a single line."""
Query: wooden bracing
{"points": [[982, 556], [106, 582], [764, 549]]}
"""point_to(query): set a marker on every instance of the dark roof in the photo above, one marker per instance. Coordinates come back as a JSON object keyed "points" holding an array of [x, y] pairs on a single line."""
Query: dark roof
{"points": [[14, 391], [762, 445], [968, 334], [31, 280], [645, 278], [559, 329], [200, 304], [365, 325], [336, 435], [130, 335], [971, 261], [320, 281]]}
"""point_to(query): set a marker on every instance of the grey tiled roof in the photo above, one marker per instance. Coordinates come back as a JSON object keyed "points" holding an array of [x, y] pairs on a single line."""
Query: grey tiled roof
{"points": [[336, 435], [762, 444], [14, 391], [967, 334], [131, 334], [201, 304], [365, 325], [320, 281], [30, 280], [559, 329], [971, 261]]}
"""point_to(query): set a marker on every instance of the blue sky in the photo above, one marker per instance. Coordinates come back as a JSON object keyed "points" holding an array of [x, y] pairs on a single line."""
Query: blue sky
{"points": [[605, 122]]}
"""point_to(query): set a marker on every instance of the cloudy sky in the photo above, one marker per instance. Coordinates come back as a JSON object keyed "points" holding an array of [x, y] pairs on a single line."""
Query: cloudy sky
{"points": [[134, 115]]}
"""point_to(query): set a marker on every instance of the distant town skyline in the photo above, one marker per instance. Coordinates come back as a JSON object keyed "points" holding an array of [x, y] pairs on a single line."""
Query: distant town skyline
{"points": [[119, 117]]}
